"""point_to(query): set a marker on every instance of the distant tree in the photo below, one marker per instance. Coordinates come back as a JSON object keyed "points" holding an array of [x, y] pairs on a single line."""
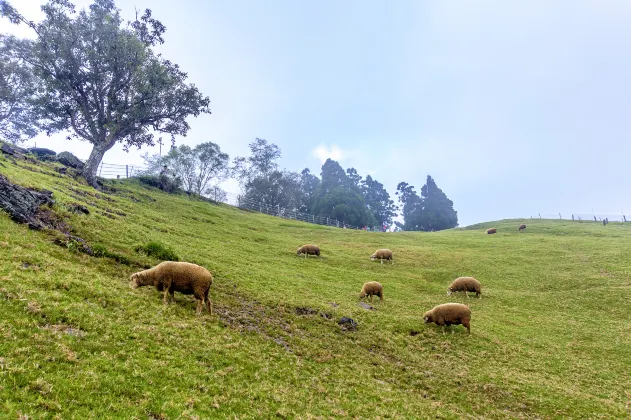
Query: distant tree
{"points": [[101, 80], [339, 197], [378, 201], [217, 194], [260, 164], [432, 211], [263, 182], [196, 167], [308, 186], [438, 210], [17, 89]]}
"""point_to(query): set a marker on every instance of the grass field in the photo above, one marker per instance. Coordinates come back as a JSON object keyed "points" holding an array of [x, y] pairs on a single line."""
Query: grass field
{"points": [[551, 336]]}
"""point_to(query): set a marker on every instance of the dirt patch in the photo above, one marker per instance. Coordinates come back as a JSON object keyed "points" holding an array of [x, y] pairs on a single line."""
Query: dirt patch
{"points": [[77, 208], [65, 329], [306, 311]]}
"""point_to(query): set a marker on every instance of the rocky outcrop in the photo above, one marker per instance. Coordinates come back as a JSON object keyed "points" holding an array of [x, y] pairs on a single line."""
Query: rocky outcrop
{"points": [[23, 204], [42, 153], [70, 160]]}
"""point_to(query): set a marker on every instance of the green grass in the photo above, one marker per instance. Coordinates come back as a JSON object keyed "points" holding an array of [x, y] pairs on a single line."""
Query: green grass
{"points": [[551, 337]]}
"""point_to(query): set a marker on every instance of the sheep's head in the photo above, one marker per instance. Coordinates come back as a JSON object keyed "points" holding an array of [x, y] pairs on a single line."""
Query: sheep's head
{"points": [[373, 257], [136, 280], [299, 251], [449, 291], [362, 294], [427, 317]]}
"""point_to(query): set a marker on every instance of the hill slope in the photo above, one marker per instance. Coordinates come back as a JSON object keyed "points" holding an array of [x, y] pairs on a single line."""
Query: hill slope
{"points": [[550, 337]]}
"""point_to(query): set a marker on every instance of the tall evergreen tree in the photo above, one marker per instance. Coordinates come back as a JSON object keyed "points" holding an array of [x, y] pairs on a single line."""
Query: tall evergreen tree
{"points": [[432, 211], [308, 185], [378, 201], [335, 197]]}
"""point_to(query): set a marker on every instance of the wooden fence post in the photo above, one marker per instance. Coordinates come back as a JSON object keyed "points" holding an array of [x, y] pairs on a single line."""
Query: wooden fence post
{"points": [[126, 171]]}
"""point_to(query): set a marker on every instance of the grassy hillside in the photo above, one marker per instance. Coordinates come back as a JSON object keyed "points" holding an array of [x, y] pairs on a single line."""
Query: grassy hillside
{"points": [[551, 337]]}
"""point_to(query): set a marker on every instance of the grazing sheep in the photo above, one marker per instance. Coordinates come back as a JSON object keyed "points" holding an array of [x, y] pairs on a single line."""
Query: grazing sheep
{"points": [[522, 227], [372, 288], [170, 277], [466, 285], [491, 231], [309, 249], [448, 314], [383, 254]]}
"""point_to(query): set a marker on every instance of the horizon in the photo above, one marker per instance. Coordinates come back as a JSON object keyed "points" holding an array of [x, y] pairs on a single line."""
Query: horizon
{"points": [[495, 101]]}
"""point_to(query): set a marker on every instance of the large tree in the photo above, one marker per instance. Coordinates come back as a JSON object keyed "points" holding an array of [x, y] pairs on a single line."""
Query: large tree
{"points": [[17, 89], [378, 201], [101, 80], [308, 186], [339, 196], [432, 211]]}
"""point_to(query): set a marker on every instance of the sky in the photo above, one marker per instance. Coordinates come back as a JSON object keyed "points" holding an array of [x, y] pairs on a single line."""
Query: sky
{"points": [[514, 108]]}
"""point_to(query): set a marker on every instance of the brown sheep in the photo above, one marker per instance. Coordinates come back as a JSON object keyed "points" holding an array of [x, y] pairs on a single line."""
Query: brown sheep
{"points": [[448, 314], [170, 277], [522, 227], [383, 254], [491, 231], [466, 285], [372, 288], [309, 249]]}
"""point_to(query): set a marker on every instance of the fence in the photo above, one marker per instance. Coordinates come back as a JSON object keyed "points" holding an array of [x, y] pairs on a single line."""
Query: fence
{"points": [[585, 217], [109, 170]]}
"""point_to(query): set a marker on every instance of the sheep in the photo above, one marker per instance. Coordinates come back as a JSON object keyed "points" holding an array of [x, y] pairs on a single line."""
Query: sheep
{"points": [[383, 254], [522, 227], [372, 288], [309, 249], [491, 231], [170, 277], [448, 314], [466, 285]]}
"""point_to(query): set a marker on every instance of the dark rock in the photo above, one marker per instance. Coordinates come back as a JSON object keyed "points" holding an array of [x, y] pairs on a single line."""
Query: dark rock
{"points": [[22, 204], [14, 151], [70, 160], [348, 323], [78, 208], [42, 153], [366, 306]]}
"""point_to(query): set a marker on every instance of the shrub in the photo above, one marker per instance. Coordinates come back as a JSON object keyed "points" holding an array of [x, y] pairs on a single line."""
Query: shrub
{"points": [[157, 250], [162, 182]]}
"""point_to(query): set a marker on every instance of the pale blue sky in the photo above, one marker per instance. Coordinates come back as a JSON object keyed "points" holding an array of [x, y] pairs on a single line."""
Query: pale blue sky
{"points": [[514, 108]]}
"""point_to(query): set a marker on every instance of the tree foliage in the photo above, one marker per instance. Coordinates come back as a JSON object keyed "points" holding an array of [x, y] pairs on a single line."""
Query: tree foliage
{"points": [[101, 80], [432, 211], [339, 196], [17, 89], [196, 168]]}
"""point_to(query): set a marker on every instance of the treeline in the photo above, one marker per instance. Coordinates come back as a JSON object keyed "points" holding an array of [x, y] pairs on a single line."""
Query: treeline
{"points": [[339, 194]]}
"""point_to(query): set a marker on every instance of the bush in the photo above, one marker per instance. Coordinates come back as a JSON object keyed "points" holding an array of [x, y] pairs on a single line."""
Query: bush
{"points": [[162, 182], [157, 250], [100, 251]]}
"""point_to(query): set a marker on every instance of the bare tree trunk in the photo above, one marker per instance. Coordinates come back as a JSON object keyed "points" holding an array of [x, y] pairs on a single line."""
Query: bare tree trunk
{"points": [[93, 162]]}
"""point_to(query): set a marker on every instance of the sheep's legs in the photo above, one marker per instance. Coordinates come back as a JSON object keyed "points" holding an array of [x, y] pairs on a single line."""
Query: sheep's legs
{"points": [[200, 306], [466, 293], [209, 306], [165, 294], [382, 261]]}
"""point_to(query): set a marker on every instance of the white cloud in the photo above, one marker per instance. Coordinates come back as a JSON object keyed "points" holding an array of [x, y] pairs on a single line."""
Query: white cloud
{"points": [[323, 152]]}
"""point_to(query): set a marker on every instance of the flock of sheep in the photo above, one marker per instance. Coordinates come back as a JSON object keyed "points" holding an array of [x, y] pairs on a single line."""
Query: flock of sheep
{"points": [[169, 277]]}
